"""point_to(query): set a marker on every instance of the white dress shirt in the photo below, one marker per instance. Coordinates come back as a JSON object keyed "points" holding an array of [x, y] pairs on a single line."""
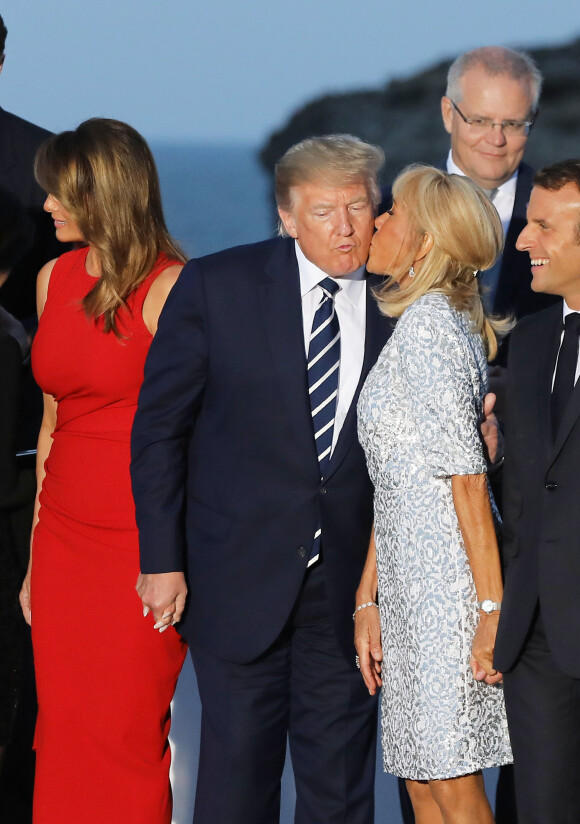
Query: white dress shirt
{"points": [[505, 195], [350, 303]]}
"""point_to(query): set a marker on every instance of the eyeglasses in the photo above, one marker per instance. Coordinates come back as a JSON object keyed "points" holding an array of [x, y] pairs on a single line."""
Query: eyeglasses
{"points": [[481, 125]]}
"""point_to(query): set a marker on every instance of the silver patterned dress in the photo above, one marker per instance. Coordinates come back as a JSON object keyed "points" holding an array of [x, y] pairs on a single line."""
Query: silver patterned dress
{"points": [[418, 418]]}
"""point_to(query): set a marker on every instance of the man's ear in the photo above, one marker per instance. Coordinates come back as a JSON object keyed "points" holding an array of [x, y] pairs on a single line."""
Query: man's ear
{"points": [[288, 221], [424, 247], [447, 114]]}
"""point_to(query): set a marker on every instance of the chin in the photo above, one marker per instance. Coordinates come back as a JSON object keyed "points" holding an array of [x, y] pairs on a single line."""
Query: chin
{"points": [[538, 286]]}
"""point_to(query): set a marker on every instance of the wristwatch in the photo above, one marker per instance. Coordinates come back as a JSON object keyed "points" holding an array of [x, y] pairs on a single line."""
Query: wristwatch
{"points": [[488, 606]]}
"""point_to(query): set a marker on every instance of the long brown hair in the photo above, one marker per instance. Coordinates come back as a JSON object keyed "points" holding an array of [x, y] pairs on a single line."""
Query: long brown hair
{"points": [[104, 174]]}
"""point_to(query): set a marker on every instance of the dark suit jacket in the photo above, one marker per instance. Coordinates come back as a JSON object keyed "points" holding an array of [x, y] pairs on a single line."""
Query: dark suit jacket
{"points": [[19, 141], [541, 501], [514, 295], [224, 457]]}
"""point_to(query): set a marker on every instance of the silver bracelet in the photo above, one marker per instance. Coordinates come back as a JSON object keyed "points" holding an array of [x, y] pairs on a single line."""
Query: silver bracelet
{"points": [[364, 606]]}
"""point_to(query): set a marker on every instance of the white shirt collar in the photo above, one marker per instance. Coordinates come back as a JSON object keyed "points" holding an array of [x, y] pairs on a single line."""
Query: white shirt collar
{"points": [[507, 188], [352, 285], [567, 310]]}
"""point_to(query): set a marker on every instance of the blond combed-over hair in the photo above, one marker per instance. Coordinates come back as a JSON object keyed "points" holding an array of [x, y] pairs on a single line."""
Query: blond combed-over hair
{"points": [[331, 160], [467, 237], [104, 174]]}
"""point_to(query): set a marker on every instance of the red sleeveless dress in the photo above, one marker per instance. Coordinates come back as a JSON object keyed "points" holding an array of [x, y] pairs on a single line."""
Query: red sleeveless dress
{"points": [[105, 678]]}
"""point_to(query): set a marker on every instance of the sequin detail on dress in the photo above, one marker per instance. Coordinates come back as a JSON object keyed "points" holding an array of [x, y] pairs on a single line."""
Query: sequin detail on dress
{"points": [[418, 418]]}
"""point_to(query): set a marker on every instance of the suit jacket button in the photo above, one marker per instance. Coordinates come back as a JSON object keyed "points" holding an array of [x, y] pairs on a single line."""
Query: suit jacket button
{"points": [[302, 551], [550, 485], [323, 490]]}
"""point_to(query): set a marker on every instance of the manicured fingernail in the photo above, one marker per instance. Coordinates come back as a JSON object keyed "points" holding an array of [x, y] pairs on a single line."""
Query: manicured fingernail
{"points": [[167, 615], [158, 624], [145, 612], [164, 628]]}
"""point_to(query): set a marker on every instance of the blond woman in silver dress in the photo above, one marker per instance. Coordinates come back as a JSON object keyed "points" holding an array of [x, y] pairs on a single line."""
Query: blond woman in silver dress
{"points": [[433, 565]]}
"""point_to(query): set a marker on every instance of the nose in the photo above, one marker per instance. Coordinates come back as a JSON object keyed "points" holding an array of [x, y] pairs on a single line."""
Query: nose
{"points": [[50, 203], [525, 239], [380, 219], [344, 222], [496, 135]]}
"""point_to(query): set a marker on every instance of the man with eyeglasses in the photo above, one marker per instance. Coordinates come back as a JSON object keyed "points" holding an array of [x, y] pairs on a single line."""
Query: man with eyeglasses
{"points": [[489, 109]]}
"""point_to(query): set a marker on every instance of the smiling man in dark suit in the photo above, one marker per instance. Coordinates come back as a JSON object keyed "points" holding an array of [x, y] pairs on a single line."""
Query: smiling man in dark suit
{"points": [[488, 109], [538, 641], [250, 484]]}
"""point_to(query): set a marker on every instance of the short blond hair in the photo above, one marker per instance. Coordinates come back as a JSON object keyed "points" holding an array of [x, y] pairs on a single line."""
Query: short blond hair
{"points": [[496, 61], [334, 159], [467, 236]]}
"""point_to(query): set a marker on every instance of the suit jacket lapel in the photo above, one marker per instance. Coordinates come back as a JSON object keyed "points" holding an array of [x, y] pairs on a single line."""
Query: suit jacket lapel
{"points": [[7, 154], [513, 259], [282, 312], [377, 331], [572, 411], [546, 363]]}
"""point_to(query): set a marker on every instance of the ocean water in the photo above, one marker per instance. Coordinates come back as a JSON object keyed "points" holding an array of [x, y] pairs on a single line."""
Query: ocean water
{"points": [[215, 197]]}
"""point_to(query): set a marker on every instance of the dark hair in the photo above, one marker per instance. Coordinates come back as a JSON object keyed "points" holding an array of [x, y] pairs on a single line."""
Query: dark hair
{"points": [[3, 33], [557, 175], [16, 230]]}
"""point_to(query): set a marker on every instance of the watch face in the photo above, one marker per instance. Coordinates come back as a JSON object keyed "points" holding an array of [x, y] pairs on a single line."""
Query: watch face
{"points": [[487, 605]]}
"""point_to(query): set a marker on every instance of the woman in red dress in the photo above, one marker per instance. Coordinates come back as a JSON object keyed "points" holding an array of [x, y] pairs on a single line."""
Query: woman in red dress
{"points": [[104, 678]]}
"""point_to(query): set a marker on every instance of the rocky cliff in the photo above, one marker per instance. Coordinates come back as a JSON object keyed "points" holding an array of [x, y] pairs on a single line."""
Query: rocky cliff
{"points": [[404, 116]]}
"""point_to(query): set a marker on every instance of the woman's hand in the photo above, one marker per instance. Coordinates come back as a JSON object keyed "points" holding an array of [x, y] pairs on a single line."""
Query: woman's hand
{"points": [[482, 649], [367, 640], [164, 595], [24, 599]]}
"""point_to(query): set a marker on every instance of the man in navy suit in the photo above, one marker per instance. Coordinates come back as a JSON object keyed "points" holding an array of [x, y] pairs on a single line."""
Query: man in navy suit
{"points": [[538, 640], [488, 109], [19, 141], [232, 497]]}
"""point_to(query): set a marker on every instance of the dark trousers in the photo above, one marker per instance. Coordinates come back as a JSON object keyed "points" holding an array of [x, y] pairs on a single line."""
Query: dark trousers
{"points": [[302, 689], [543, 709]]}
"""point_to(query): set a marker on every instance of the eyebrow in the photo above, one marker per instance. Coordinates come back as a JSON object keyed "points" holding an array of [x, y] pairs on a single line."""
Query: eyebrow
{"points": [[328, 205]]}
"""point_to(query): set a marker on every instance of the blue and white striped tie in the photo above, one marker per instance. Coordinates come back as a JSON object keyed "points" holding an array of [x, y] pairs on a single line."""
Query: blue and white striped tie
{"points": [[323, 369]]}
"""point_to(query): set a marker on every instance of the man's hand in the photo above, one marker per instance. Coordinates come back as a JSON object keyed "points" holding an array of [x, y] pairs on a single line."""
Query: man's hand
{"points": [[367, 640], [490, 430], [164, 595]]}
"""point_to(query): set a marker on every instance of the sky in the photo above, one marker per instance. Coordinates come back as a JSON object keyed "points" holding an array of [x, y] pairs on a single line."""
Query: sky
{"points": [[231, 71]]}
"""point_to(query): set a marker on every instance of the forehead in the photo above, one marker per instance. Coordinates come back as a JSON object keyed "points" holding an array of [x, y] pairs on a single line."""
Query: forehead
{"points": [[496, 95], [312, 193], [557, 207]]}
